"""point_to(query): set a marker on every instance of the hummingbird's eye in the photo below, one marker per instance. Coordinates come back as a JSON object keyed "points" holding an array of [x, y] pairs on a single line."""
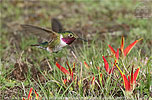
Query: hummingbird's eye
{"points": [[70, 35]]}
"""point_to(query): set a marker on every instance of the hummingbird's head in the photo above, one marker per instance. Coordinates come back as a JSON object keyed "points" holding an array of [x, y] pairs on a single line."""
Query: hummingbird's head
{"points": [[68, 37]]}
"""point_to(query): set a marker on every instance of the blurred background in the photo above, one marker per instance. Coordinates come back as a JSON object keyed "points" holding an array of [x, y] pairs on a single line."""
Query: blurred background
{"points": [[94, 20], [86, 18]]}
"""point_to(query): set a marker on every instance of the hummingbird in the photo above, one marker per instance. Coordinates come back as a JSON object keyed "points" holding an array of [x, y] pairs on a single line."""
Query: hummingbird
{"points": [[55, 39]]}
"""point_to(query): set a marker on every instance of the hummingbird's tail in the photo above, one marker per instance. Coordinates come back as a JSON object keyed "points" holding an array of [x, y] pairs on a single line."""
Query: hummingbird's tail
{"points": [[38, 46], [41, 45]]}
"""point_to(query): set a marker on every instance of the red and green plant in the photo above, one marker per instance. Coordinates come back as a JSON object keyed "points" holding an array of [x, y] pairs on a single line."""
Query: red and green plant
{"points": [[97, 80], [30, 97]]}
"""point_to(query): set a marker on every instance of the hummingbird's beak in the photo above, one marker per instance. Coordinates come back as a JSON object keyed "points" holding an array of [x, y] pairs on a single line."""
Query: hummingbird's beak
{"points": [[82, 39]]}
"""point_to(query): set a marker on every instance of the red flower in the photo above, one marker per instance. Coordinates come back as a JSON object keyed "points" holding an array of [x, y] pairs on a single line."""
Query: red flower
{"points": [[65, 71], [124, 51], [129, 84], [86, 65], [116, 54], [128, 48], [112, 50], [37, 96], [93, 79], [62, 69], [65, 80], [108, 70], [30, 92], [30, 97]]}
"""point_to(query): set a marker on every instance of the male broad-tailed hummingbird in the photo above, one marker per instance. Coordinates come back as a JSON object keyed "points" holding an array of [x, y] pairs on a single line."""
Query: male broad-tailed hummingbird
{"points": [[55, 39]]}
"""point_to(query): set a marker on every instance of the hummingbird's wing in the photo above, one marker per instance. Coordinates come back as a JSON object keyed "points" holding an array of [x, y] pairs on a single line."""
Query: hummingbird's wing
{"points": [[45, 34], [56, 25]]}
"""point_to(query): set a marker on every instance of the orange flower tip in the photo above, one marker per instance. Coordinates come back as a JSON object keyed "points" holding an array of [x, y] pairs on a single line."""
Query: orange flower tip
{"points": [[106, 64], [98, 68], [101, 75], [128, 48], [126, 83], [30, 92], [93, 80], [64, 81], [136, 73], [122, 38], [117, 54], [36, 93], [62, 69], [112, 50], [86, 65]]}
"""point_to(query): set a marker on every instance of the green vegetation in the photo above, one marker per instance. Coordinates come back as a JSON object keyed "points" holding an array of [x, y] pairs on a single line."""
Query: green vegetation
{"points": [[102, 22]]}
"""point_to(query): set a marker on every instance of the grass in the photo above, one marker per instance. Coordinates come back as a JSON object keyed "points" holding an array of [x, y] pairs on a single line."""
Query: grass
{"points": [[101, 23]]}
